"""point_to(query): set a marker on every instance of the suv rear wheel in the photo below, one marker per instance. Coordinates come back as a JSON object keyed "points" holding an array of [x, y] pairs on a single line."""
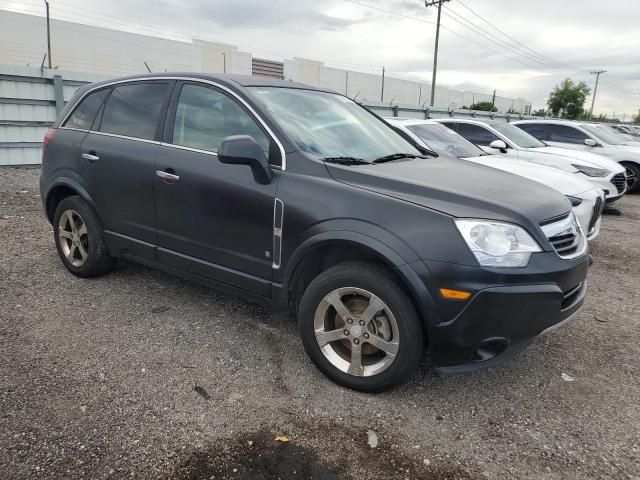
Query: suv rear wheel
{"points": [[79, 238], [359, 327]]}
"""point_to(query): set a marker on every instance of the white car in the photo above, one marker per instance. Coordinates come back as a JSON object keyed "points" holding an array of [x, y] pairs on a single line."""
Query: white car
{"points": [[504, 137], [587, 200], [580, 136]]}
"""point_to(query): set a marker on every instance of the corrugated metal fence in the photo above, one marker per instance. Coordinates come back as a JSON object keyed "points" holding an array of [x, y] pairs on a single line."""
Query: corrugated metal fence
{"points": [[30, 100]]}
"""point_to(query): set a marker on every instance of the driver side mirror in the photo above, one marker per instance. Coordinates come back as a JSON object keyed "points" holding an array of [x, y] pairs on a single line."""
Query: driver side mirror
{"points": [[590, 142], [499, 145], [244, 150]]}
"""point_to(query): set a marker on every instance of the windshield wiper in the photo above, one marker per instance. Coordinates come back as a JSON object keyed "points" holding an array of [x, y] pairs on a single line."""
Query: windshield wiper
{"points": [[400, 156], [346, 160]]}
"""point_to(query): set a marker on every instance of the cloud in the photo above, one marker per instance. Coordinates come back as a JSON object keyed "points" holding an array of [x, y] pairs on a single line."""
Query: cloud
{"points": [[581, 33]]}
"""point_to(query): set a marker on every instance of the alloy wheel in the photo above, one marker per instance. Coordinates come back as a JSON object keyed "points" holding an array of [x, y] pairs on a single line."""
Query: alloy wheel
{"points": [[356, 331], [74, 241]]}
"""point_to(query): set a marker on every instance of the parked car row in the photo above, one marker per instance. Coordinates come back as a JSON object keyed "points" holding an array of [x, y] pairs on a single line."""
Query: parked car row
{"points": [[583, 137], [587, 199], [382, 243]]}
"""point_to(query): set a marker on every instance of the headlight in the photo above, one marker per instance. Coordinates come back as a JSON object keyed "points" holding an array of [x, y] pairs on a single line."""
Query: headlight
{"points": [[496, 244], [591, 171], [575, 201]]}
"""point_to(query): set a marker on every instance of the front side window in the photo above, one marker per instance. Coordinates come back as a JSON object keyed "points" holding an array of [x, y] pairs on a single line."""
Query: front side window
{"points": [[562, 133], [444, 141], [476, 134], [205, 117], [537, 130], [84, 114], [517, 136], [134, 110], [327, 125]]}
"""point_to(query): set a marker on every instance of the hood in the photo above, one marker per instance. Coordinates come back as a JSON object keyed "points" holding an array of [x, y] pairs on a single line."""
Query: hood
{"points": [[555, 161], [584, 158], [565, 183], [458, 188]]}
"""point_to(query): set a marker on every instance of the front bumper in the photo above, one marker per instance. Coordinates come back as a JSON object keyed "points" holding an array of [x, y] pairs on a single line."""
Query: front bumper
{"points": [[506, 311]]}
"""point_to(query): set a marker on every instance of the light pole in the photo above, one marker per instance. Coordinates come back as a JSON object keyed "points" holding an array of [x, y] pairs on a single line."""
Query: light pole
{"points": [[595, 89], [46, 3], [430, 3]]}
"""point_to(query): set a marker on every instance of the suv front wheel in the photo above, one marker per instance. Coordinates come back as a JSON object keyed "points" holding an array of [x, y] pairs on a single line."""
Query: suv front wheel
{"points": [[79, 238], [360, 328]]}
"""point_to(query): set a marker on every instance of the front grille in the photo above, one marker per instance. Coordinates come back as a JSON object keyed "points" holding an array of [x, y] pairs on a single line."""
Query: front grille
{"points": [[620, 181], [565, 236], [597, 211]]}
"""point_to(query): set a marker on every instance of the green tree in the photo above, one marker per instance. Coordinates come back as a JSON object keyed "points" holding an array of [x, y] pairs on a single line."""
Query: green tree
{"points": [[567, 99], [636, 119], [541, 112], [484, 106]]}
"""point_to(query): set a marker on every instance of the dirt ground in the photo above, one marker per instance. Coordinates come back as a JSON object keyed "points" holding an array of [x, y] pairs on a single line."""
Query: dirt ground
{"points": [[98, 377]]}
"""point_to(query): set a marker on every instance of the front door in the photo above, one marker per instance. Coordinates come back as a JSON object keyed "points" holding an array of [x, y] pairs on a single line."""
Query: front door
{"points": [[213, 219], [119, 164]]}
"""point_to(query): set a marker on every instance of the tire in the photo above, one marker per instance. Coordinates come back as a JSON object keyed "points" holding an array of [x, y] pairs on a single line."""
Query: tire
{"points": [[79, 238], [634, 169], [357, 285]]}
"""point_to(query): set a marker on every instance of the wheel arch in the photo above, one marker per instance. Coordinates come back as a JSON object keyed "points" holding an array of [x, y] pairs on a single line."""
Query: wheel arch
{"points": [[330, 248], [61, 189]]}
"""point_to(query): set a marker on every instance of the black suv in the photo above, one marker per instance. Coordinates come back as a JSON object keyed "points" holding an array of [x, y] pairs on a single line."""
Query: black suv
{"points": [[305, 200]]}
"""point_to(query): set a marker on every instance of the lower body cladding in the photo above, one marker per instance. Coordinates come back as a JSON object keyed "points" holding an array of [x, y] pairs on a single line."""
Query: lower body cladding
{"points": [[508, 308]]}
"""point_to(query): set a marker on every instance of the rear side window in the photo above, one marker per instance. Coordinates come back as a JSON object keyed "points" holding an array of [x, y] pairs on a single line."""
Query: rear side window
{"points": [[476, 134], [205, 117], [562, 133], [538, 130], [84, 114], [134, 110]]}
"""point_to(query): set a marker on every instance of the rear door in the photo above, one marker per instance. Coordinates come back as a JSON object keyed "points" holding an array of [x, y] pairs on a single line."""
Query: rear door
{"points": [[214, 219], [119, 163]]}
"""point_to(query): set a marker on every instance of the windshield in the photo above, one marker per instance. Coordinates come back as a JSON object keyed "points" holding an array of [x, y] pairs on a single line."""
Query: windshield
{"points": [[619, 134], [327, 125], [603, 135], [518, 136], [445, 141]]}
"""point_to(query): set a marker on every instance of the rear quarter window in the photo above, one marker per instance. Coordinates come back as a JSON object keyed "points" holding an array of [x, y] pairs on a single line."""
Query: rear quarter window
{"points": [[84, 114], [134, 110]]}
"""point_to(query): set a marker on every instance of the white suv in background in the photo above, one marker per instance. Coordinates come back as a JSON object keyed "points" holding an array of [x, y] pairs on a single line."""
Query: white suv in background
{"points": [[587, 200], [493, 136], [580, 136]]}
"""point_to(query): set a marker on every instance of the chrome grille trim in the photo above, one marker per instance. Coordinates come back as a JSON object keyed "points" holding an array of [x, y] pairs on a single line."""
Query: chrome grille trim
{"points": [[595, 216], [620, 181], [566, 237]]}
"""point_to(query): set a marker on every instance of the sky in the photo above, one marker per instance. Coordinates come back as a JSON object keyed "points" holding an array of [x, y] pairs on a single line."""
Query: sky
{"points": [[522, 48]]}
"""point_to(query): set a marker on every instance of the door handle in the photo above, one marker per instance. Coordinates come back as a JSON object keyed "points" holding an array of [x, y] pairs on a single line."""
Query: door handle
{"points": [[167, 177], [92, 158]]}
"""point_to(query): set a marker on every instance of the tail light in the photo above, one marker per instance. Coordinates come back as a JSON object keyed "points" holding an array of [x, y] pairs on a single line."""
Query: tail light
{"points": [[47, 138]]}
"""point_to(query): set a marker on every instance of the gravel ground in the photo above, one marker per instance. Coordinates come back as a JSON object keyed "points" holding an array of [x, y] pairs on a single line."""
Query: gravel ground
{"points": [[98, 377]]}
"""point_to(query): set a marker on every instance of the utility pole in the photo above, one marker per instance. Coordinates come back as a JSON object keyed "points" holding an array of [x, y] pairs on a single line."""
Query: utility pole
{"points": [[493, 99], [595, 89], [382, 90], [46, 2], [431, 3]]}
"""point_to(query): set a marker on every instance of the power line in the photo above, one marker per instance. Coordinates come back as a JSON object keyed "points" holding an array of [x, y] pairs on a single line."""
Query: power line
{"points": [[498, 41], [534, 52]]}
